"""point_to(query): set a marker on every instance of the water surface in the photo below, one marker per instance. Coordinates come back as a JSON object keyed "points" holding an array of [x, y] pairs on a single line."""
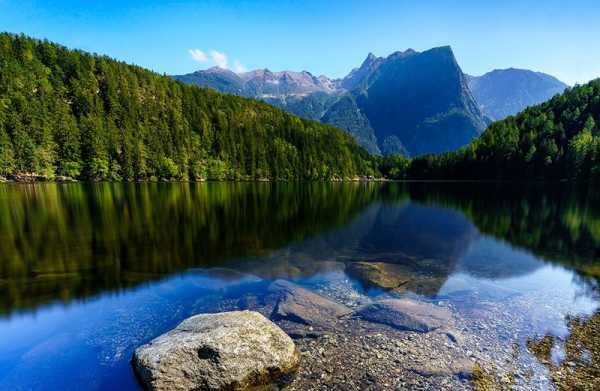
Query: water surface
{"points": [[88, 272]]}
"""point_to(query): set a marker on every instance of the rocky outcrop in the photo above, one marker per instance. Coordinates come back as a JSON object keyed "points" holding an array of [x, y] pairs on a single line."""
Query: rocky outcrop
{"points": [[406, 314], [224, 351], [300, 305]]}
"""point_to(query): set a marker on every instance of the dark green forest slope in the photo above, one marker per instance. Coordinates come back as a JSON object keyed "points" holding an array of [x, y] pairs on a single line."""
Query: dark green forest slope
{"points": [[559, 139], [66, 112]]}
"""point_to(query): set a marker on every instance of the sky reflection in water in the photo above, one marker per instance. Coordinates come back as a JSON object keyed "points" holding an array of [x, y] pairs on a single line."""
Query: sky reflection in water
{"points": [[89, 272]]}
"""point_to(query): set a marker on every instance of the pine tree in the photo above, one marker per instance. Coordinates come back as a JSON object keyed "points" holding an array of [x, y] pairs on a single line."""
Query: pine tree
{"points": [[66, 112]]}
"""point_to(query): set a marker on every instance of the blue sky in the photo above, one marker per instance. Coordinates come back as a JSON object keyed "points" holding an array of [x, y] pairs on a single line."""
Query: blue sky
{"points": [[324, 37]]}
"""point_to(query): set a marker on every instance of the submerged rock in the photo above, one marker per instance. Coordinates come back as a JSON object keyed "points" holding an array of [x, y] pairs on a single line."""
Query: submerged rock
{"points": [[463, 368], [230, 350], [406, 314], [379, 274], [422, 276], [300, 305]]}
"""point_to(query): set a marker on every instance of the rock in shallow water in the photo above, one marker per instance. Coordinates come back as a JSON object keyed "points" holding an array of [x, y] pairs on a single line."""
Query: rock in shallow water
{"points": [[379, 274], [462, 368], [230, 350], [300, 305], [406, 314]]}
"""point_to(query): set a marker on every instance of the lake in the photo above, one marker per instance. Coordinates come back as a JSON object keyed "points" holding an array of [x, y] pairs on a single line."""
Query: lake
{"points": [[89, 272]]}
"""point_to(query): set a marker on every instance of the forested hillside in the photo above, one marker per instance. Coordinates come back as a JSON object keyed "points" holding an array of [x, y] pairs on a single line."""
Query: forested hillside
{"points": [[559, 139], [66, 112]]}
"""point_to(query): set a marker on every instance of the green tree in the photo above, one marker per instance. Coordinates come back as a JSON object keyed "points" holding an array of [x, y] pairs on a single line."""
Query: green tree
{"points": [[67, 112]]}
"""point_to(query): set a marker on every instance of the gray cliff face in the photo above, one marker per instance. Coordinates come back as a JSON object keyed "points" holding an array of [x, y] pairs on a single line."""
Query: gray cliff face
{"points": [[420, 102]]}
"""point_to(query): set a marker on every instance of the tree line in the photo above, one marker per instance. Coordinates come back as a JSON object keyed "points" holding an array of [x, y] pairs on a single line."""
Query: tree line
{"points": [[69, 113]]}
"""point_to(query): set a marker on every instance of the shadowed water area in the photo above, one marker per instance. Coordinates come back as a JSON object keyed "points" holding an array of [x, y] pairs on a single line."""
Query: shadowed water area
{"points": [[89, 272]]}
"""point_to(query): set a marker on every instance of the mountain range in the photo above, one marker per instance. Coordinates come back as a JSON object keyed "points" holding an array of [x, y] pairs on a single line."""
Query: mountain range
{"points": [[411, 103], [71, 114]]}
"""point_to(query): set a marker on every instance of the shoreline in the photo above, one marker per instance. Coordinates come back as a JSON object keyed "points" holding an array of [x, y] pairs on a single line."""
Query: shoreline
{"points": [[64, 179]]}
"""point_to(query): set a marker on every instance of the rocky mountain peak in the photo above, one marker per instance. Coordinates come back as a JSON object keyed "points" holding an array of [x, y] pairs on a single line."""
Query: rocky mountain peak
{"points": [[357, 75], [369, 60]]}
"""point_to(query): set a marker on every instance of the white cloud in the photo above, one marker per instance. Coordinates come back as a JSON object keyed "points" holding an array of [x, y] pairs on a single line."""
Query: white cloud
{"points": [[238, 67], [220, 59], [198, 55]]}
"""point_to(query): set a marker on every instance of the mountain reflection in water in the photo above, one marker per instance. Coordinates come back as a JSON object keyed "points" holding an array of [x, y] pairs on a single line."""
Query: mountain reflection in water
{"points": [[127, 261], [63, 242]]}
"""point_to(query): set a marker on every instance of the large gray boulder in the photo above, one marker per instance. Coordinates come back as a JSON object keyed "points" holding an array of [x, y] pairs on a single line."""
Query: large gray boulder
{"points": [[224, 351], [406, 314]]}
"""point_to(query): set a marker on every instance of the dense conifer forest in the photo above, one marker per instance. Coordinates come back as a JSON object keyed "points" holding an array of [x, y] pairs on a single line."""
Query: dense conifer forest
{"points": [[69, 113]]}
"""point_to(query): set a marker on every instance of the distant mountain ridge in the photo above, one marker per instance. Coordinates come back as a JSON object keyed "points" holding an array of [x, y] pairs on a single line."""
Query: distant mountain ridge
{"points": [[504, 92], [261, 83], [410, 102]]}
